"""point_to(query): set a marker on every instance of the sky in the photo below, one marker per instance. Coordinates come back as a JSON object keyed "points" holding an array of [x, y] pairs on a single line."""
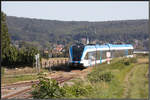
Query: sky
{"points": [[78, 11]]}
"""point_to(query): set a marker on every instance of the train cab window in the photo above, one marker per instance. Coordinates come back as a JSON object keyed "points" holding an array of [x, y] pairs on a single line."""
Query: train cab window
{"points": [[77, 51]]}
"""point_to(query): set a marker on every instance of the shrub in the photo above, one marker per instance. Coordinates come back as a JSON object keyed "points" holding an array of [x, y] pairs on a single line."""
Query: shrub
{"points": [[47, 88], [98, 76], [77, 90], [133, 60], [128, 61]]}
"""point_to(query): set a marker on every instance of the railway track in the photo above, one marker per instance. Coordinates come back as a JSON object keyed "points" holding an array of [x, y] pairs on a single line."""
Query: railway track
{"points": [[24, 92]]}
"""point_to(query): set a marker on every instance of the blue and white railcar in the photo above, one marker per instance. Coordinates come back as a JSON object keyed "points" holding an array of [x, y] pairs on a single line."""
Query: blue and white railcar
{"points": [[88, 55], [121, 50]]}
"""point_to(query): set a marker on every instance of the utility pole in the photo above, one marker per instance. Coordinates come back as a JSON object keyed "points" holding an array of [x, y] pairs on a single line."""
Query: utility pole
{"points": [[87, 39], [36, 62], [37, 58]]}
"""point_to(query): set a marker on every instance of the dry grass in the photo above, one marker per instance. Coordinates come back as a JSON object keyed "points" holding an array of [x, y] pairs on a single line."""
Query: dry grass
{"points": [[19, 71], [19, 75], [143, 60]]}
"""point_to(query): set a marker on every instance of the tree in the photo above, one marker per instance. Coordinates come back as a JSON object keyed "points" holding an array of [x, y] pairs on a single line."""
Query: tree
{"points": [[5, 38], [11, 56]]}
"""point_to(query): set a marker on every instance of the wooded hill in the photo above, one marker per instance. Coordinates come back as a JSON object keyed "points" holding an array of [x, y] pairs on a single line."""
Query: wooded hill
{"points": [[44, 33]]}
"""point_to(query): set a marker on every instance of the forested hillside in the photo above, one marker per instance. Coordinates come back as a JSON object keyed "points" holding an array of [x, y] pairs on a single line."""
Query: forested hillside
{"points": [[44, 33]]}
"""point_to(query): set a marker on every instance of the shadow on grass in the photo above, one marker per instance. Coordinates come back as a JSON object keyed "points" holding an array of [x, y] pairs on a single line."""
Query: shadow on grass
{"points": [[64, 67]]}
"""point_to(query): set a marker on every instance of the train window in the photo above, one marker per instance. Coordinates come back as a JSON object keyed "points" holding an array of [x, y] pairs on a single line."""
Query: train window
{"points": [[130, 52], [103, 54], [90, 55], [98, 55], [77, 52], [118, 53], [112, 54], [93, 55], [86, 56], [122, 53]]}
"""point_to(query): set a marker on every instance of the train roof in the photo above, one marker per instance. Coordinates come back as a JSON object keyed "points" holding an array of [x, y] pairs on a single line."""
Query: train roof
{"points": [[98, 47], [120, 46], [110, 46]]}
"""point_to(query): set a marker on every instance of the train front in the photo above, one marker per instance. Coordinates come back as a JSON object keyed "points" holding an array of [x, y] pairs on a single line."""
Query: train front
{"points": [[75, 53]]}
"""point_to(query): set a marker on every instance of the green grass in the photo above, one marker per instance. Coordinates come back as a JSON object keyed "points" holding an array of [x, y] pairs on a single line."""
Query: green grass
{"points": [[114, 88], [119, 68], [139, 82]]}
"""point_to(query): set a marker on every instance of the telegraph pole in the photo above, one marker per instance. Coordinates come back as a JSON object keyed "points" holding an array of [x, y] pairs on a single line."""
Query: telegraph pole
{"points": [[37, 62]]}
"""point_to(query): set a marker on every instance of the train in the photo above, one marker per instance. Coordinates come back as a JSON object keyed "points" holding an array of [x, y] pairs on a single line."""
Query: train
{"points": [[91, 54]]}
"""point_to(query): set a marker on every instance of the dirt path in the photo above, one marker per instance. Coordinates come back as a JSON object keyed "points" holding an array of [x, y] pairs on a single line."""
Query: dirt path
{"points": [[127, 83], [126, 80]]}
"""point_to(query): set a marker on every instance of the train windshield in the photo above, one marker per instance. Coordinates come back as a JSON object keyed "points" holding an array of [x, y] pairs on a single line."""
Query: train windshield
{"points": [[77, 51]]}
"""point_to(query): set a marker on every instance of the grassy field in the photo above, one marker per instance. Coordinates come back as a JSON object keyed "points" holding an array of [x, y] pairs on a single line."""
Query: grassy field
{"points": [[10, 76], [129, 81], [138, 82]]}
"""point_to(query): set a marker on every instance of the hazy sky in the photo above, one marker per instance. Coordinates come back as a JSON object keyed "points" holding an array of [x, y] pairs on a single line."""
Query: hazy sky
{"points": [[78, 11]]}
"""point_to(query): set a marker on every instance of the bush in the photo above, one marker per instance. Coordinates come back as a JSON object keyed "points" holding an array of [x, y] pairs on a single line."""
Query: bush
{"points": [[99, 76], [133, 60], [47, 88], [128, 61], [77, 90]]}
